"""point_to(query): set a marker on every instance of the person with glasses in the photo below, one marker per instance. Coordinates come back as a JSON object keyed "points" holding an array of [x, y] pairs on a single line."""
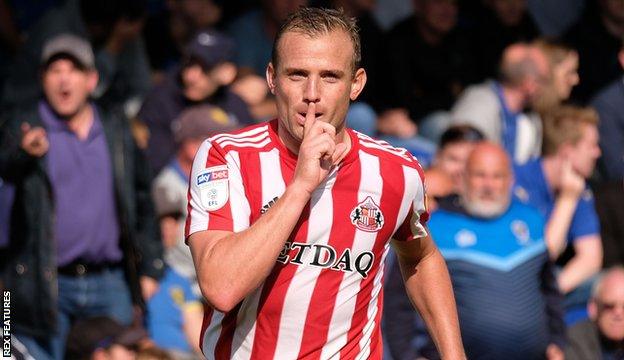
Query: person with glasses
{"points": [[601, 336]]}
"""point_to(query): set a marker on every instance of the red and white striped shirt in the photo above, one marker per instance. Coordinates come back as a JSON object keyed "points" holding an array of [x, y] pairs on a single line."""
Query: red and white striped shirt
{"points": [[323, 298]]}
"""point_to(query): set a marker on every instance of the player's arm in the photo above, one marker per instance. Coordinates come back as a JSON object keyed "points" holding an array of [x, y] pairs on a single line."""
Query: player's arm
{"points": [[230, 265], [586, 262], [428, 285]]}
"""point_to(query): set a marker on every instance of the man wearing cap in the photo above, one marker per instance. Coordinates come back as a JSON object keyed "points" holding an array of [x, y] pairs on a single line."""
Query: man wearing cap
{"points": [[84, 240], [204, 78], [114, 29], [170, 187], [175, 312]]}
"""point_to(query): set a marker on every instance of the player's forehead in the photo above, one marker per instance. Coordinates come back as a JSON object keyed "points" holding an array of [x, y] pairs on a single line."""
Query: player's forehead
{"points": [[296, 48]]}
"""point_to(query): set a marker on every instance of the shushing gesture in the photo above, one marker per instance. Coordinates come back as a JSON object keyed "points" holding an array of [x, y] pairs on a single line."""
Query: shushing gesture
{"points": [[318, 153], [34, 140]]}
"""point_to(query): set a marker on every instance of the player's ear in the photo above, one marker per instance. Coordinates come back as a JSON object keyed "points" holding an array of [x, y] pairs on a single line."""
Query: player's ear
{"points": [[357, 84], [270, 77]]}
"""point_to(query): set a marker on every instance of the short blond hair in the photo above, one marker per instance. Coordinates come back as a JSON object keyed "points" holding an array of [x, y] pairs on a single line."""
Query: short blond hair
{"points": [[314, 22], [564, 125]]}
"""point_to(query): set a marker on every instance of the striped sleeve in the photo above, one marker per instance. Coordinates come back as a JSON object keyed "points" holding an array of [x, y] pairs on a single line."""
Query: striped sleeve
{"points": [[215, 182], [414, 225]]}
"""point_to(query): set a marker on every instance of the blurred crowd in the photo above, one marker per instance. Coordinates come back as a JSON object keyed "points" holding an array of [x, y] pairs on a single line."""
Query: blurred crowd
{"points": [[515, 108]]}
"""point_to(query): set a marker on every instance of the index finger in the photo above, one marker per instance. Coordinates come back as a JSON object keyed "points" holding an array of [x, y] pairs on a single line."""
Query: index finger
{"points": [[309, 118]]}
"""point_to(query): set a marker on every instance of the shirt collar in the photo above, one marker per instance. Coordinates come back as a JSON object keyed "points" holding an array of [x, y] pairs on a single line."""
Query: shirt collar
{"points": [[53, 123]]}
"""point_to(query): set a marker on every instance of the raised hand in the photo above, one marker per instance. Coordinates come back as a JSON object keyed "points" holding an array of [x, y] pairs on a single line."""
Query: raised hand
{"points": [[572, 184], [318, 152], [34, 140]]}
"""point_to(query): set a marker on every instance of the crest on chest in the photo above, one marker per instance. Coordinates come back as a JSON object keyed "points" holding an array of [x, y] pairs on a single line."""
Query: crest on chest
{"points": [[367, 216]]}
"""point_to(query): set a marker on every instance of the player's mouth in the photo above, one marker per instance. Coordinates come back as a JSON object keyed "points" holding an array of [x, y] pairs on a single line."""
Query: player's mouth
{"points": [[301, 117]]}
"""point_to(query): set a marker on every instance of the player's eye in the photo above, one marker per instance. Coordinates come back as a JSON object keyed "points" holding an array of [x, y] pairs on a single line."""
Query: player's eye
{"points": [[297, 75]]}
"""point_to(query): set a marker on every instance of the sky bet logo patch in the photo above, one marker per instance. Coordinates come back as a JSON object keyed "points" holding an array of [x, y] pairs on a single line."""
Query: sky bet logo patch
{"points": [[213, 186], [221, 174]]}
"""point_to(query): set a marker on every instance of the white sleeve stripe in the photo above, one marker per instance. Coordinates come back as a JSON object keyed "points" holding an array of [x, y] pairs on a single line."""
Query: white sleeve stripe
{"points": [[256, 138], [239, 204], [262, 144], [241, 135], [197, 215]]}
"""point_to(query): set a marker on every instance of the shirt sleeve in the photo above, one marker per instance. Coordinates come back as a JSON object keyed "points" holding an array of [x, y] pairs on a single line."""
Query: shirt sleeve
{"points": [[585, 221], [216, 197], [414, 225]]}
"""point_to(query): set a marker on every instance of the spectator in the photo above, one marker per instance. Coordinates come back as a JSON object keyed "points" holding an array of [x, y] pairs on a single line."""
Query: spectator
{"points": [[429, 62], [175, 316], [496, 108], [597, 37], [563, 62], [454, 148], [555, 184], [507, 297], [114, 29], [170, 188], [602, 336], [609, 103], [175, 312], [102, 338], [203, 78], [445, 177], [90, 245], [503, 22]]}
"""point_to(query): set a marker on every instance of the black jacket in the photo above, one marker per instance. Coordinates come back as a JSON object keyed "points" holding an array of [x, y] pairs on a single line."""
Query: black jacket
{"points": [[28, 265]]}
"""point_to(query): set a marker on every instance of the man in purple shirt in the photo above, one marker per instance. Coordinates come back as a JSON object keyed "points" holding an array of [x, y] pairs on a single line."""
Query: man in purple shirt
{"points": [[84, 240]]}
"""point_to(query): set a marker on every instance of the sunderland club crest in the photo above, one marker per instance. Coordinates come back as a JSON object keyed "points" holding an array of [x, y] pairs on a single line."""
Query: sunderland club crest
{"points": [[367, 216]]}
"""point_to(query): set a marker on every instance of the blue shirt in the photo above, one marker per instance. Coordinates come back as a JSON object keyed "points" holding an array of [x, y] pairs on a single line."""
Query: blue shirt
{"points": [[165, 321], [86, 226], [509, 124], [531, 187], [500, 272]]}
